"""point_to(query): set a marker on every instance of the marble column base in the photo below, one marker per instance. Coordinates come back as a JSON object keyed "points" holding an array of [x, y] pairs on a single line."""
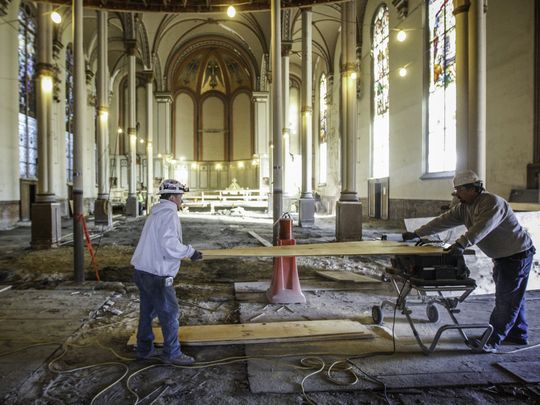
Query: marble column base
{"points": [[132, 206], [348, 221], [306, 212], [103, 212], [46, 225]]}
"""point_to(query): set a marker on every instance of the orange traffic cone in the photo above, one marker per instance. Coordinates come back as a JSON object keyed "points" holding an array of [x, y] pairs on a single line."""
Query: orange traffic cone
{"points": [[285, 286]]}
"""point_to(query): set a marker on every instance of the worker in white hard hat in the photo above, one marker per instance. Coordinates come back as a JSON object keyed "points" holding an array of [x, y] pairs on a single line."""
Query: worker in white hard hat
{"points": [[493, 227], [157, 261]]}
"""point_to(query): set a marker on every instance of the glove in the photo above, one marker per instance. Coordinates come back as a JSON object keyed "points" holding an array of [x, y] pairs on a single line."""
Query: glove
{"points": [[409, 236], [196, 256], [455, 249]]}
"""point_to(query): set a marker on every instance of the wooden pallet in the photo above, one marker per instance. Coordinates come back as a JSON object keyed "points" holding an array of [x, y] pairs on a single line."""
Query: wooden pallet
{"points": [[325, 249], [267, 332]]}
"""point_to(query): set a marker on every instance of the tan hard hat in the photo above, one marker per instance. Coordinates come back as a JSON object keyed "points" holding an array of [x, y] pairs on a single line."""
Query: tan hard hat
{"points": [[466, 177]]}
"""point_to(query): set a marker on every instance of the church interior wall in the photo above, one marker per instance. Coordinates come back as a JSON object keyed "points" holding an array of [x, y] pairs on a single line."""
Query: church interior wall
{"points": [[9, 110], [510, 94]]}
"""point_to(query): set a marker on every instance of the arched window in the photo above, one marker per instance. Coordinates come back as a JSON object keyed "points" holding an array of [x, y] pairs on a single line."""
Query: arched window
{"points": [[27, 94], [323, 130], [380, 126], [441, 142], [69, 113]]}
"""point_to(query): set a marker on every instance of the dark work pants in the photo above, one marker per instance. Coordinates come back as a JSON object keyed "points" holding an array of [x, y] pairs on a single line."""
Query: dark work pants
{"points": [[156, 298], [508, 317]]}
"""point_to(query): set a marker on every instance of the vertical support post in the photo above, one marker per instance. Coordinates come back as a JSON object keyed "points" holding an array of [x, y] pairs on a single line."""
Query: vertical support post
{"points": [[277, 189], [348, 208], [477, 88], [46, 225], [149, 138], [307, 203], [132, 205], [461, 10], [102, 206], [79, 78]]}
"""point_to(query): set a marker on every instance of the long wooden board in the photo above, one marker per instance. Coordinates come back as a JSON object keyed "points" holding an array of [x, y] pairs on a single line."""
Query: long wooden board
{"points": [[347, 276], [205, 335], [364, 248]]}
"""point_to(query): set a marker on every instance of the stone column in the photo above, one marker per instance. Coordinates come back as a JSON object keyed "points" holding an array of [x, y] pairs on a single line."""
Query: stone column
{"points": [[461, 11], [477, 88], [286, 131], [102, 206], [260, 103], [79, 96], [149, 138], [307, 203], [46, 224], [277, 124], [132, 205], [348, 208], [164, 133]]}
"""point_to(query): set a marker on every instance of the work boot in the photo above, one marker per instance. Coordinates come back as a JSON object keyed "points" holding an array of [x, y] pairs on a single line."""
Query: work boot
{"points": [[518, 341], [487, 348], [146, 356], [181, 360]]}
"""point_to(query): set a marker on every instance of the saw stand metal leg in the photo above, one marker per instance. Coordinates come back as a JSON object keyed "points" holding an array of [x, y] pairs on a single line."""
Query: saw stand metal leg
{"points": [[431, 310]]}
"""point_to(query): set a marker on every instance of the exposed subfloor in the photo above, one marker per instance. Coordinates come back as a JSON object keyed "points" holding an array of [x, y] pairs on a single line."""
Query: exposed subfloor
{"points": [[66, 343]]}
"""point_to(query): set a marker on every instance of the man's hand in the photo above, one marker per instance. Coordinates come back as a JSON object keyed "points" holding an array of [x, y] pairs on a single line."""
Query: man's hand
{"points": [[196, 256], [455, 249], [409, 236]]}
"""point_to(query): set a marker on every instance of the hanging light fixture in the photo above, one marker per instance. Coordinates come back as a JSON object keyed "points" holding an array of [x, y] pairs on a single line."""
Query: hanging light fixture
{"points": [[401, 36], [231, 11], [56, 17], [402, 71]]}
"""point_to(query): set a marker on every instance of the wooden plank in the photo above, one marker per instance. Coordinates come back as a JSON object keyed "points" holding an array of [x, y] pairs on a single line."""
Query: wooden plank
{"points": [[379, 247], [201, 335], [4, 288], [263, 241], [306, 285], [528, 371], [347, 276]]}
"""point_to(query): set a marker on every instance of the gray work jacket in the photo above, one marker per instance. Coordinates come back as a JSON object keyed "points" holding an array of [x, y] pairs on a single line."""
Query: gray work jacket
{"points": [[490, 222]]}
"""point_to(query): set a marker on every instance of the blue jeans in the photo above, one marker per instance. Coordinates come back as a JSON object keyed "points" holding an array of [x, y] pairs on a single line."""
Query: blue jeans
{"points": [[156, 298], [508, 317]]}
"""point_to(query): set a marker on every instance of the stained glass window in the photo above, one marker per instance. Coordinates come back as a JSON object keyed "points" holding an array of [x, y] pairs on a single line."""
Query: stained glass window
{"points": [[27, 94], [323, 129], [442, 87], [380, 133], [69, 113]]}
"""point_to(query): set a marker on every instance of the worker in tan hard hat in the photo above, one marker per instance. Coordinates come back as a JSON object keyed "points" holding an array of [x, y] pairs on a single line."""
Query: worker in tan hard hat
{"points": [[157, 261], [493, 227]]}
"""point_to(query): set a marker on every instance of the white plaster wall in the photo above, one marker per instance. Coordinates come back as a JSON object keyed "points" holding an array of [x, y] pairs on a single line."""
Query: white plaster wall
{"points": [[9, 106], [184, 127], [241, 128], [407, 139], [510, 61]]}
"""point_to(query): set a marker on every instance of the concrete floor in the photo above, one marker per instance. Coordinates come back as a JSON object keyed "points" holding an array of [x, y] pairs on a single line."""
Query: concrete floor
{"points": [[66, 343]]}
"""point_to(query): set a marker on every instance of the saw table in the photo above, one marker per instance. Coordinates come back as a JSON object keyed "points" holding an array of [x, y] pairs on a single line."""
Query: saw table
{"points": [[434, 278]]}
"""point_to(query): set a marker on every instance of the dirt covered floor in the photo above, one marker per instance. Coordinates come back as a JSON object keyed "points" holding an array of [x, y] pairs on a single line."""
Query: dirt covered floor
{"points": [[90, 363]]}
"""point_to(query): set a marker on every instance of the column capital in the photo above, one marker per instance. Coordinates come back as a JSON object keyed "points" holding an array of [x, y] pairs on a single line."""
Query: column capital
{"points": [[131, 46], [45, 69], [286, 47], [260, 96], [347, 67], [461, 6], [148, 75], [163, 97]]}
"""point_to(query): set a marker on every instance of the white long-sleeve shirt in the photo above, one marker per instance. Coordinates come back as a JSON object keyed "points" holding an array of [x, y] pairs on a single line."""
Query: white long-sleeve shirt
{"points": [[160, 246], [490, 222]]}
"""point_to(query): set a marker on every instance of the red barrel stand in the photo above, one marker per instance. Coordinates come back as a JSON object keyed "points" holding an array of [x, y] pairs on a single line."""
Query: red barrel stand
{"points": [[285, 286]]}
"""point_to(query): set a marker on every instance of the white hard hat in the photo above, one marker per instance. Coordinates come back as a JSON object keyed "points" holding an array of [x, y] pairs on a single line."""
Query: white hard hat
{"points": [[466, 177], [171, 186]]}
